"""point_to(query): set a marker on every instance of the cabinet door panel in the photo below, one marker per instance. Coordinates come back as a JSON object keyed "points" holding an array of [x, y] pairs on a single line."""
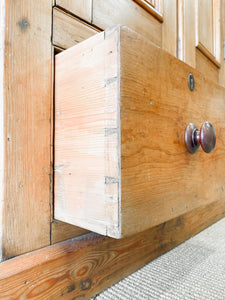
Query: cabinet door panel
{"points": [[125, 12], [80, 8], [208, 29], [69, 31]]}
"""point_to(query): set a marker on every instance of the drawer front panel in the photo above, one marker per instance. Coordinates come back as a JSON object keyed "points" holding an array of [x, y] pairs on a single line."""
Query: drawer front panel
{"points": [[160, 178]]}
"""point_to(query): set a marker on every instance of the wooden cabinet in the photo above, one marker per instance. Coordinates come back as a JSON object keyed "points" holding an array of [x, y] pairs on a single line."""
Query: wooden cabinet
{"points": [[121, 109], [32, 32]]}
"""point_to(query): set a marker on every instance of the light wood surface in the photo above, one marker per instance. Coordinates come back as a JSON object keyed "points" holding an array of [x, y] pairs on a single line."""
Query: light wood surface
{"points": [[2, 46], [153, 7], [186, 31], [86, 134], [47, 273], [222, 70], [125, 12], [151, 2], [61, 231], [208, 29], [69, 31], [208, 54], [217, 15], [27, 94], [206, 66], [80, 268], [189, 29], [205, 24], [160, 179], [169, 27], [80, 8]]}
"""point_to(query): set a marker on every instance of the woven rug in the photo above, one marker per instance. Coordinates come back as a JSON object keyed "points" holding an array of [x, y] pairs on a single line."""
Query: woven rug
{"points": [[195, 270]]}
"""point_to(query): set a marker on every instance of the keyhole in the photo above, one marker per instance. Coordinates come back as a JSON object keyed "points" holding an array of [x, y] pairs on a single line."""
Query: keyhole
{"points": [[191, 82]]}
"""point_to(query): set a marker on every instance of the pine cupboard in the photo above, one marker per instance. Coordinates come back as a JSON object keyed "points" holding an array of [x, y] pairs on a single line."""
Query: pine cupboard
{"points": [[41, 256]]}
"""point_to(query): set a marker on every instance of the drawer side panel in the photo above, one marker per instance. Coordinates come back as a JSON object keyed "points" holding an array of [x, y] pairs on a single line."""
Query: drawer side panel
{"points": [[86, 158]]}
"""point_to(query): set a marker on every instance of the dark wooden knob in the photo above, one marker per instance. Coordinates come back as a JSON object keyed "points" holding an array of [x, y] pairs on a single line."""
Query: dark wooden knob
{"points": [[206, 137]]}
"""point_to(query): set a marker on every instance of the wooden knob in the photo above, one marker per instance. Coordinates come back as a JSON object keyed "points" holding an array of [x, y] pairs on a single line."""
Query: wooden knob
{"points": [[206, 137]]}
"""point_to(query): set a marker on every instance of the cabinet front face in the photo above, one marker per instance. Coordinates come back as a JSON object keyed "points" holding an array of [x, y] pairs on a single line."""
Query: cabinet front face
{"points": [[122, 106]]}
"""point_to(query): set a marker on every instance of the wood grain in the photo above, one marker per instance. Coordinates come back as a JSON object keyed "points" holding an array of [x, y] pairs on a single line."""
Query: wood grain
{"points": [[152, 7], [169, 27], [80, 268], [27, 94], [208, 29], [206, 66], [217, 29], [160, 179], [61, 231], [125, 12], [85, 149], [205, 24], [222, 70], [80, 8], [2, 40], [186, 30], [208, 54], [69, 31]]}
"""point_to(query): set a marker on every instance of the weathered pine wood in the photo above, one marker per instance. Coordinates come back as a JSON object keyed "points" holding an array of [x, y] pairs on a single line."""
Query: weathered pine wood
{"points": [[152, 8], [115, 118], [208, 54], [64, 35], [222, 70], [159, 178], [109, 13], [205, 23], [169, 27], [68, 31], [61, 231], [186, 31], [27, 94], [206, 66], [81, 268], [80, 8], [208, 29], [96, 151], [2, 46]]}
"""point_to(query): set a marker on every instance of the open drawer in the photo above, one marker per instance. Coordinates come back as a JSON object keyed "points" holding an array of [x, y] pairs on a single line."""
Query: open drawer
{"points": [[121, 109]]}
